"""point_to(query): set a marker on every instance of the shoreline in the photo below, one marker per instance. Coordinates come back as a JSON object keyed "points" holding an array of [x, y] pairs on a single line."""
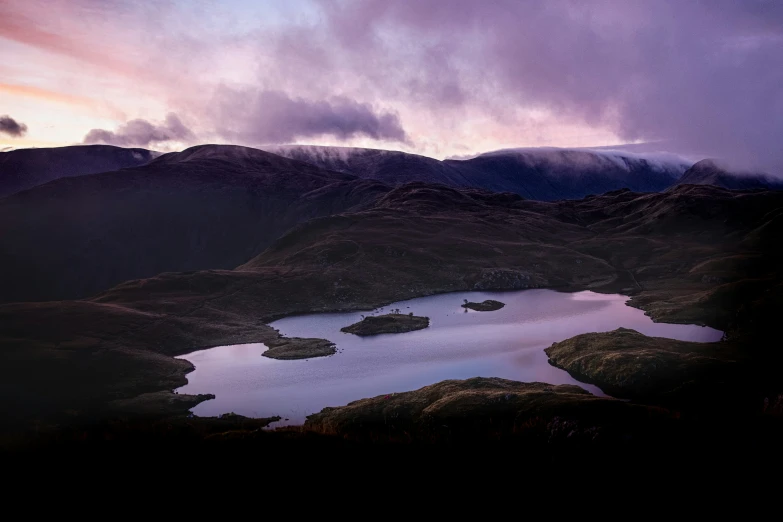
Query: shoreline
{"points": [[617, 299]]}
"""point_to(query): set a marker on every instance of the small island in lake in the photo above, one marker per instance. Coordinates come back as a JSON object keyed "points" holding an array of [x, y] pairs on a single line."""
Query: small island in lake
{"points": [[388, 323], [487, 306], [291, 348]]}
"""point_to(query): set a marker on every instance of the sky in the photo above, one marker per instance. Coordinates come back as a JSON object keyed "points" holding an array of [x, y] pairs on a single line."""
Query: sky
{"points": [[442, 78]]}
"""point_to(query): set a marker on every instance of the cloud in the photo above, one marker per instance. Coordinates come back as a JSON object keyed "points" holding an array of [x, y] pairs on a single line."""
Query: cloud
{"points": [[703, 76], [265, 117], [11, 127], [56, 26], [141, 133], [706, 76]]}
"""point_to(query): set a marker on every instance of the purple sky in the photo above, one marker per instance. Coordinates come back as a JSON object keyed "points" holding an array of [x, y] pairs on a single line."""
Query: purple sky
{"points": [[438, 77]]}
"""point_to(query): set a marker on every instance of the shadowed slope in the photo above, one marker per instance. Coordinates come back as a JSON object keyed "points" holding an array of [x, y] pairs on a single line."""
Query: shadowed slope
{"points": [[479, 409], [627, 364], [695, 254], [26, 168], [206, 207], [708, 172], [389, 166], [541, 174], [552, 174]]}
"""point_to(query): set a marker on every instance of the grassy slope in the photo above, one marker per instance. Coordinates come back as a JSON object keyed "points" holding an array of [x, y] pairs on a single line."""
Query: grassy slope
{"points": [[695, 254], [479, 407], [627, 364], [206, 207]]}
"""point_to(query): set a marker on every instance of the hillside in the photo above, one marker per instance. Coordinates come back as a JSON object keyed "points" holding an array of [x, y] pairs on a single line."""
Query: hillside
{"points": [[26, 168], [708, 172], [388, 166], [701, 255], [205, 207], [550, 174], [544, 174], [216, 206]]}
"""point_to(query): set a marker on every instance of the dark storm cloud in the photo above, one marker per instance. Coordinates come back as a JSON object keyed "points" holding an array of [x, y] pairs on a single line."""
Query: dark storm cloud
{"points": [[704, 75], [274, 117], [11, 127], [141, 133]]}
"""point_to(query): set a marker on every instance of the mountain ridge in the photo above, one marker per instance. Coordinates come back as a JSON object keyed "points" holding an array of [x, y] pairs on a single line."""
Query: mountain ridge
{"points": [[709, 172], [22, 169], [196, 209], [545, 174]]}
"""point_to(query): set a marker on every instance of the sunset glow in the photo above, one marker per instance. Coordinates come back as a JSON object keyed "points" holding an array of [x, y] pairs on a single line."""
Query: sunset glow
{"points": [[704, 77]]}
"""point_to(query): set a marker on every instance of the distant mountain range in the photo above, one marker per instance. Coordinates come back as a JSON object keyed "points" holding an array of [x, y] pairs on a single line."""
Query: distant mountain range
{"points": [[205, 207], [77, 220], [26, 168], [542, 174], [708, 172]]}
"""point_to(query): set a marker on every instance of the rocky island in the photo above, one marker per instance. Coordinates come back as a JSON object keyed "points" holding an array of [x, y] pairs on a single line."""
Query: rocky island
{"points": [[388, 323], [289, 348], [489, 305]]}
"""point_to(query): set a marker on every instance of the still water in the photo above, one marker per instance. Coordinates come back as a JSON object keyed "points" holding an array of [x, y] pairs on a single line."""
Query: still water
{"points": [[506, 343]]}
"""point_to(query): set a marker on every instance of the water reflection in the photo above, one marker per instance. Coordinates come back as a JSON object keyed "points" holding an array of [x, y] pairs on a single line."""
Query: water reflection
{"points": [[506, 343]]}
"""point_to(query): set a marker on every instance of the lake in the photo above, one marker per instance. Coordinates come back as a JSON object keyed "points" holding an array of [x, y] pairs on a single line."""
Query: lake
{"points": [[459, 344]]}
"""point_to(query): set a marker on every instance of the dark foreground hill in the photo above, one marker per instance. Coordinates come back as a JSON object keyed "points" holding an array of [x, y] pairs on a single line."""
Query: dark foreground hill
{"points": [[205, 207], [545, 174], [26, 168], [708, 172], [695, 254]]}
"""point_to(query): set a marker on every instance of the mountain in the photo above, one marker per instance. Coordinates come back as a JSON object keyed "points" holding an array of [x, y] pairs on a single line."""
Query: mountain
{"points": [[708, 172], [388, 166], [217, 206], [544, 174], [551, 174], [209, 206], [26, 168]]}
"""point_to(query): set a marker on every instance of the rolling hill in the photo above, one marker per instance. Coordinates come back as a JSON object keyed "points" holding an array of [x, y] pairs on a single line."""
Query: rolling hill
{"points": [[218, 206], [206, 207], [695, 254], [26, 168]]}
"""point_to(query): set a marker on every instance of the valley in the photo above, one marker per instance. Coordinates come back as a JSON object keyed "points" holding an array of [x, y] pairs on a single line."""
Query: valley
{"points": [[692, 254]]}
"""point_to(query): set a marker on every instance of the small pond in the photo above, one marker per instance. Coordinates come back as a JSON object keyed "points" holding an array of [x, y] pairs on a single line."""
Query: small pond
{"points": [[459, 344]]}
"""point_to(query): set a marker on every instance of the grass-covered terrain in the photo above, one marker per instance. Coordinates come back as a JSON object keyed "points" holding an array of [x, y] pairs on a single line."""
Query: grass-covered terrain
{"points": [[695, 254], [482, 408], [655, 370]]}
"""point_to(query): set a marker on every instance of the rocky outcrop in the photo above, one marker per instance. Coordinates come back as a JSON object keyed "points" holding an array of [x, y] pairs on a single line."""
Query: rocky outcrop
{"points": [[288, 348], [490, 305], [389, 323]]}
